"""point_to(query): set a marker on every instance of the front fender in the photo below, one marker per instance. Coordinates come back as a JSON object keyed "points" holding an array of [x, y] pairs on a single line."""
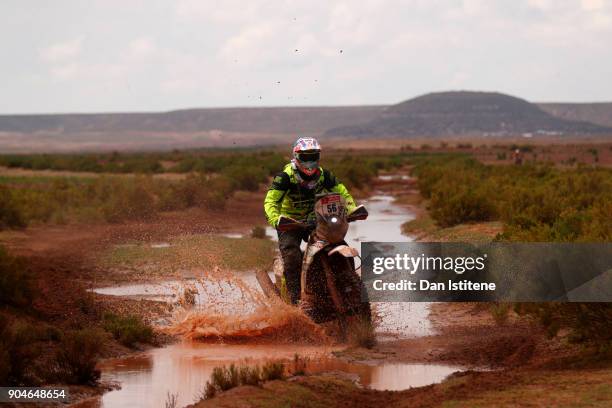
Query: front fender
{"points": [[345, 250], [312, 249]]}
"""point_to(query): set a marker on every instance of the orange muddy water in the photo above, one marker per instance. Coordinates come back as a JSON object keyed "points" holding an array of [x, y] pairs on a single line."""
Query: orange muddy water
{"points": [[227, 320], [184, 368]]}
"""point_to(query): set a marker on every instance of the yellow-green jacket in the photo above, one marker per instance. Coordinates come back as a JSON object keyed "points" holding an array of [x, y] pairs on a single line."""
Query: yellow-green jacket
{"points": [[287, 197]]}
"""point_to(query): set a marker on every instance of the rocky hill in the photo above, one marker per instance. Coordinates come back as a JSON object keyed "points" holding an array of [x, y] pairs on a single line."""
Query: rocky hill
{"points": [[466, 113], [598, 113]]}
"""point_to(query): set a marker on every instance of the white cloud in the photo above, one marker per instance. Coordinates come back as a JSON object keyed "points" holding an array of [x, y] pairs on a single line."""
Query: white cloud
{"points": [[209, 53], [62, 51], [592, 5], [142, 47], [65, 72]]}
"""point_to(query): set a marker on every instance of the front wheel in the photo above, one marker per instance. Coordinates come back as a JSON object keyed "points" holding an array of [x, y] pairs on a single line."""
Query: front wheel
{"points": [[345, 288]]}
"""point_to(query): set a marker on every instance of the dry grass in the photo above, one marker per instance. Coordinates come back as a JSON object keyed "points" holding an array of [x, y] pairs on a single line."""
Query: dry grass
{"points": [[225, 378]]}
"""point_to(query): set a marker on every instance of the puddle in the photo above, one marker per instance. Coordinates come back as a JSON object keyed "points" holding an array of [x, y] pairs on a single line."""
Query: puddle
{"points": [[234, 235], [165, 291], [184, 368], [383, 223], [222, 293], [161, 245], [391, 177]]}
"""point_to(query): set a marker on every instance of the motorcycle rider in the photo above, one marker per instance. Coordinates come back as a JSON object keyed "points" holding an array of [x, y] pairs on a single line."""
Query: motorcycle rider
{"points": [[292, 194]]}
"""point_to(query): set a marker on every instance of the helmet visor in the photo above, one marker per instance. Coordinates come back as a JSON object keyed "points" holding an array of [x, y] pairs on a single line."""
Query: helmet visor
{"points": [[308, 156]]}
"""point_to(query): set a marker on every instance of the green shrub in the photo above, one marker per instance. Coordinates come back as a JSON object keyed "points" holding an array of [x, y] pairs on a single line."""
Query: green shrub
{"points": [[225, 378], [127, 330], [246, 177], [19, 352], [218, 191], [455, 204], [299, 364], [78, 354], [536, 203], [23, 351], [354, 173], [10, 214], [361, 333], [6, 343], [16, 288], [272, 371], [589, 322], [500, 312], [258, 232], [131, 200]]}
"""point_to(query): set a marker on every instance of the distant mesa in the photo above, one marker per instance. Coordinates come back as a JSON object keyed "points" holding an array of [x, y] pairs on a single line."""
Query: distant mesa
{"points": [[466, 113], [437, 114]]}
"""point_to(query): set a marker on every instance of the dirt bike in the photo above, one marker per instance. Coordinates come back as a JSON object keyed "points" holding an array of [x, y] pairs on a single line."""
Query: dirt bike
{"points": [[330, 287]]}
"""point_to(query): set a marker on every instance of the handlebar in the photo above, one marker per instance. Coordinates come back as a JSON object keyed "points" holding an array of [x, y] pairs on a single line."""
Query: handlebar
{"points": [[290, 224]]}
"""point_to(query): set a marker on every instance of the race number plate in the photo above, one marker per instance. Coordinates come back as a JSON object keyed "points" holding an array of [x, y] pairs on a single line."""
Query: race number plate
{"points": [[332, 205]]}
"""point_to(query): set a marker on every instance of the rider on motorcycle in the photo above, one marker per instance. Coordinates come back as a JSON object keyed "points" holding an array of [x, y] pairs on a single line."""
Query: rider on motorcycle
{"points": [[292, 194]]}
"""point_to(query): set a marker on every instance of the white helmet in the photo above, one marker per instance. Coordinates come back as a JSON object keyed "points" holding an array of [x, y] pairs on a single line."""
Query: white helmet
{"points": [[306, 155]]}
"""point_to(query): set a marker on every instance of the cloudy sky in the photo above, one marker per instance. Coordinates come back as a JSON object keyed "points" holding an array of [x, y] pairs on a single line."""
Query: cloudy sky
{"points": [[131, 55]]}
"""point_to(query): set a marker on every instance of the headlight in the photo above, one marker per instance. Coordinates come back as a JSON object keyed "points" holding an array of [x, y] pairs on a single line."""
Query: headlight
{"points": [[334, 219]]}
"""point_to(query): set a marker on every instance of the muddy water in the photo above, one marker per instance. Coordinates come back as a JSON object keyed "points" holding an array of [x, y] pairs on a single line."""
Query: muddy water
{"points": [[184, 368]]}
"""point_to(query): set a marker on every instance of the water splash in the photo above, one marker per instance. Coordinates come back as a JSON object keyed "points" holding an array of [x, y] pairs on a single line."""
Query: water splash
{"points": [[222, 306]]}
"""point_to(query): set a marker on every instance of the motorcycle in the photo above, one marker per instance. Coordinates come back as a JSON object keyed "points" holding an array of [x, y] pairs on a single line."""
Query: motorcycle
{"points": [[330, 287]]}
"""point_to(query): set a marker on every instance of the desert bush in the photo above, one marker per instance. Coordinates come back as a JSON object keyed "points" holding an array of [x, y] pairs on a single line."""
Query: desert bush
{"points": [[536, 203], [128, 330], [77, 356], [16, 288], [455, 204], [361, 333], [18, 352], [464, 146], [190, 192], [214, 177], [246, 177], [500, 312], [225, 378], [10, 213], [131, 199], [219, 191], [258, 232], [5, 356], [24, 351], [299, 364], [272, 371], [589, 322], [353, 173]]}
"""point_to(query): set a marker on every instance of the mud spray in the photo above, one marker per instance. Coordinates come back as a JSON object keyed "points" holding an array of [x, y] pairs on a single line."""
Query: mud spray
{"points": [[221, 306]]}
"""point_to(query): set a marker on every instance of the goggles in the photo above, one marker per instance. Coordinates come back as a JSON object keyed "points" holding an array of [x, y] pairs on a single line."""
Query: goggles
{"points": [[308, 156]]}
